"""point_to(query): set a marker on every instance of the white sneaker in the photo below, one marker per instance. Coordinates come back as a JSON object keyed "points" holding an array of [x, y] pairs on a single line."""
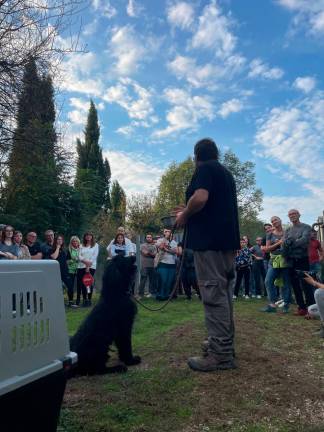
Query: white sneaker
{"points": [[247, 297], [148, 295], [280, 303], [259, 297], [253, 295], [234, 297]]}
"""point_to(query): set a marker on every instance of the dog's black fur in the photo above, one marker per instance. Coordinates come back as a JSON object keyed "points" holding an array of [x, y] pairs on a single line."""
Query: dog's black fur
{"points": [[110, 321]]}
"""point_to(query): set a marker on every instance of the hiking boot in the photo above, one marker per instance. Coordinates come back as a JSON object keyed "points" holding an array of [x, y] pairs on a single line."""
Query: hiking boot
{"points": [[210, 363], [205, 347]]}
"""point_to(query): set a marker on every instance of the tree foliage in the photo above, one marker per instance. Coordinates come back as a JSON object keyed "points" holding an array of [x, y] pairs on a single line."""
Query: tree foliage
{"points": [[175, 180], [118, 204], [29, 29], [36, 194], [93, 174], [173, 185], [142, 214], [249, 197]]}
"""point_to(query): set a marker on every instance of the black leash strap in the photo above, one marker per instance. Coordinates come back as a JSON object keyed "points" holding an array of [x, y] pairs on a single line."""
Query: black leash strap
{"points": [[176, 281]]}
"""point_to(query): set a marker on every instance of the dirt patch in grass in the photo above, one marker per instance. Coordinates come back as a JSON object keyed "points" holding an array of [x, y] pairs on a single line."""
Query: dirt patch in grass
{"points": [[271, 384], [278, 386]]}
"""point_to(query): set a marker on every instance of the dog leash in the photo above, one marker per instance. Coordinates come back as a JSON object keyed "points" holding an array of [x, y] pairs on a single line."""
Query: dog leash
{"points": [[176, 281]]}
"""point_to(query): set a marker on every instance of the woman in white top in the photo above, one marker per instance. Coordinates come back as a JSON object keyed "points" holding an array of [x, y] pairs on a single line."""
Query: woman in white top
{"points": [[88, 255], [120, 247]]}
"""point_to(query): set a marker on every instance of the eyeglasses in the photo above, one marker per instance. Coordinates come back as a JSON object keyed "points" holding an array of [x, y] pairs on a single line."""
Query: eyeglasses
{"points": [[9, 230]]}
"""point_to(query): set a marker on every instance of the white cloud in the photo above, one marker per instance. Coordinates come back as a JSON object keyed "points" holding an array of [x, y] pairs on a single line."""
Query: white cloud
{"points": [[293, 135], [135, 99], [271, 169], [90, 28], [310, 206], [207, 75], [214, 31], [186, 111], [125, 130], [181, 14], [139, 177], [78, 115], [79, 74], [305, 84], [129, 49], [309, 15], [229, 107], [104, 7], [258, 69], [133, 9], [198, 76]]}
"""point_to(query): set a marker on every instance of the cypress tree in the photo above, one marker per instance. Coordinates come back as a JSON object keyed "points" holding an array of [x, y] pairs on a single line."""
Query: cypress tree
{"points": [[93, 173], [36, 194], [118, 204], [32, 183]]}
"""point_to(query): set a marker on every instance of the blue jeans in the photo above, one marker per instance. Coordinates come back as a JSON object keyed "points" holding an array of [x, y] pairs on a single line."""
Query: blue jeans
{"points": [[272, 274], [316, 267], [166, 277]]}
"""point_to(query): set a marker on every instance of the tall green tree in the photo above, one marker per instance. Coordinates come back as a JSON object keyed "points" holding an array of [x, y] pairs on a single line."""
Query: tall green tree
{"points": [[93, 174], [35, 193], [118, 204], [142, 214], [176, 178], [249, 197], [173, 185]]}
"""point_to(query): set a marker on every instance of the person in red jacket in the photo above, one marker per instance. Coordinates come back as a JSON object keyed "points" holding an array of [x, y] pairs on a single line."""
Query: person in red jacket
{"points": [[315, 254]]}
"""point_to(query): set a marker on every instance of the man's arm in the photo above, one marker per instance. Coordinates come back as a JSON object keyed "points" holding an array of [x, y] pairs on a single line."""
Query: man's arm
{"points": [[38, 256], [196, 203], [304, 240]]}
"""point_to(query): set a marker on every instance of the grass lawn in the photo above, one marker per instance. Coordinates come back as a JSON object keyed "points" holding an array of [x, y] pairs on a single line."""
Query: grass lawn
{"points": [[279, 385]]}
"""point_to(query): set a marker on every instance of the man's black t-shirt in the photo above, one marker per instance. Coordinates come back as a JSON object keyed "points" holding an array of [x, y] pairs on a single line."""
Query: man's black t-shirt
{"points": [[216, 226], [46, 250], [34, 249]]}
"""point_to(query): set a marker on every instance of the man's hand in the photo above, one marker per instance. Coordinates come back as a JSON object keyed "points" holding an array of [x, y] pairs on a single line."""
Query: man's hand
{"points": [[177, 209], [181, 219], [308, 278]]}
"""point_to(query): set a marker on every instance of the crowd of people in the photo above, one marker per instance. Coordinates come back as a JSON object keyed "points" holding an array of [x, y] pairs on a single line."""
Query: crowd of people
{"points": [[283, 261], [272, 267], [75, 259], [159, 260]]}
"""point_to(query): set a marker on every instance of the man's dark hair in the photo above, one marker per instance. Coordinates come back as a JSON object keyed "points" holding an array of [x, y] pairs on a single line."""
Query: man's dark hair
{"points": [[205, 150], [267, 224]]}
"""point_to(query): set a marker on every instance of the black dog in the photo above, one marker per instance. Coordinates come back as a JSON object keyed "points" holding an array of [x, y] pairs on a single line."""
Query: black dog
{"points": [[111, 320]]}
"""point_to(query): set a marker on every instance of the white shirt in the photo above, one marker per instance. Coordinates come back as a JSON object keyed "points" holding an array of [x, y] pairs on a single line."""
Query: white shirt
{"points": [[128, 244], [167, 258], [88, 253]]}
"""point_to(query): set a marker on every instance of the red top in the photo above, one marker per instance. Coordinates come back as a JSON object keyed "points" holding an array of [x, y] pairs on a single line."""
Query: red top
{"points": [[313, 251]]}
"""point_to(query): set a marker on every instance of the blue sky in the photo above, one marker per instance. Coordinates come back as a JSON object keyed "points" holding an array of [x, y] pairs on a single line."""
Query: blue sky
{"points": [[164, 74]]}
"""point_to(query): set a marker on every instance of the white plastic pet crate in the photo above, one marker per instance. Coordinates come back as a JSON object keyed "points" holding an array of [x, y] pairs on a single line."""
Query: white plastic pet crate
{"points": [[33, 335]]}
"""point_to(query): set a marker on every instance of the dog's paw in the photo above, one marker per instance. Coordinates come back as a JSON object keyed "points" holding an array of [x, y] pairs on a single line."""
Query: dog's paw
{"points": [[133, 361]]}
